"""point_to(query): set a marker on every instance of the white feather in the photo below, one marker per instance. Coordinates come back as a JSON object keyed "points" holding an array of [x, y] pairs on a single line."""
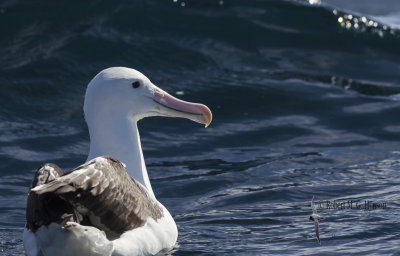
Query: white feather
{"points": [[72, 240]]}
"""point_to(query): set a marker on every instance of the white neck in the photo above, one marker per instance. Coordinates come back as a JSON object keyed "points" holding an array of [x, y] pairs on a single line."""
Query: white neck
{"points": [[118, 136]]}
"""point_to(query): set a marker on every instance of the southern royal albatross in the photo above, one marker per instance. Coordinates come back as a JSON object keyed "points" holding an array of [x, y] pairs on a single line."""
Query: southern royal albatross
{"points": [[105, 207]]}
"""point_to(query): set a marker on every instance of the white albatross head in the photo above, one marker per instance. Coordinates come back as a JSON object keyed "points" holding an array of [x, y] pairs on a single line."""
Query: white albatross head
{"points": [[125, 91], [115, 100]]}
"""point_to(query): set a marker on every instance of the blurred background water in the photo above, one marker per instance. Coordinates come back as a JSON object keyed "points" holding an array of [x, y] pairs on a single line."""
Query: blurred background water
{"points": [[305, 97]]}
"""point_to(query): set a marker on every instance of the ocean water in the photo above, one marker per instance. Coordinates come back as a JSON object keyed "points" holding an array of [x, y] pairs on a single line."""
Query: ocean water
{"points": [[305, 97]]}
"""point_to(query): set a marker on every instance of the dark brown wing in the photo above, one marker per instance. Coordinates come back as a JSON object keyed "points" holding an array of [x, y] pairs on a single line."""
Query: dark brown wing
{"points": [[48, 208], [103, 191]]}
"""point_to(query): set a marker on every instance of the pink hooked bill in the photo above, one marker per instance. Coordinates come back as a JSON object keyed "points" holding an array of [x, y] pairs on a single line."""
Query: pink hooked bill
{"points": [[172, 106]]}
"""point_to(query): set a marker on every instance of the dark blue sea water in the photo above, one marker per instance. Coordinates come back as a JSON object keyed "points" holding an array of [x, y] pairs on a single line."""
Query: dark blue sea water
{"points": [[305, 97]]}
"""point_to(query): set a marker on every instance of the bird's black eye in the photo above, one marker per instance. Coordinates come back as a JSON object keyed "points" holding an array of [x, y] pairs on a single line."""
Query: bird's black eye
{"points": [[136, 84]]}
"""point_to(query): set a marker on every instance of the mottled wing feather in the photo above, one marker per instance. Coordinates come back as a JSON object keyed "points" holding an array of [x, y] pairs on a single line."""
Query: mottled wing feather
{"points": [[44, 209], [104, 191]]}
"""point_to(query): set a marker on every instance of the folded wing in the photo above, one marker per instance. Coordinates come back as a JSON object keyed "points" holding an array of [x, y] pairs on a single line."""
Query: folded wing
{"points": [[102, 192]]}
